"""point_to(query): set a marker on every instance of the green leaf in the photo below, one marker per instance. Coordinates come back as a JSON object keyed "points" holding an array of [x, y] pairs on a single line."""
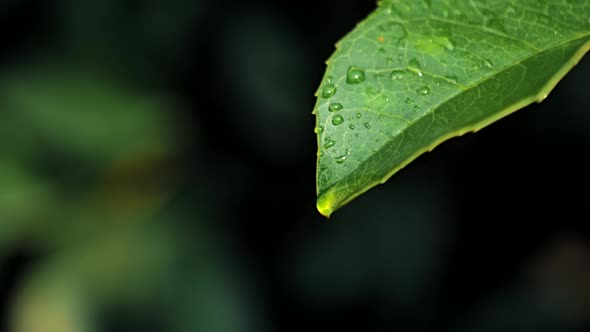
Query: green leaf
{"points": [[416, 73]]}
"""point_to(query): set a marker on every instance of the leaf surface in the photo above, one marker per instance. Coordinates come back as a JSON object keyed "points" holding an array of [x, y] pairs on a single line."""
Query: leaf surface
{"points": [[416, 73]]}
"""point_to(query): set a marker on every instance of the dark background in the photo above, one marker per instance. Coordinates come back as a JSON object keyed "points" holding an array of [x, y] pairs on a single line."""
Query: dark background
{"points": [[157, 173]]}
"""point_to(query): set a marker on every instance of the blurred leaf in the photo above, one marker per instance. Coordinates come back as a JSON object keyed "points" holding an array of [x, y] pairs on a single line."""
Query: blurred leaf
{"points": [[89, 116], [414, 74], [81, 152], [23, 198], [46, 304]]}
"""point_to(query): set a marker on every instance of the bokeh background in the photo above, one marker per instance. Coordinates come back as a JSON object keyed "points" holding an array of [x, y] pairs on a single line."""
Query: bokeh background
{"points": [[157, 173]]}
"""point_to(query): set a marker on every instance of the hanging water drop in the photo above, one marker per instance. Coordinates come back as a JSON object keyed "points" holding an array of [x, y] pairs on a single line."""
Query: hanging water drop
{"points": [[320, 129], [355, 75], [335, 107], [337, 120]]}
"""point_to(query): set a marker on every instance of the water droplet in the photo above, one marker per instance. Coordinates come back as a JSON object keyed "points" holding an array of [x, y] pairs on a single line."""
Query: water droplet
{"points": [[452, 78], [409, 101], [329, 144], [487, 63], [358, 115], [351, 126], [415, 64], [397, 74], [367, 125], [328, 91], [320, 129], [371, 92], [342, 158], [423, 91], [416, 108], [355, 75], [389, 61], [335, 107], [337, 120], [447, 43], [320, 153]]}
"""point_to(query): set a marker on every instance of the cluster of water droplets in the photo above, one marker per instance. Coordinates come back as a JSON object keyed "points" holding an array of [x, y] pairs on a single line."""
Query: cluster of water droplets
{"points": [[357, 76]]}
